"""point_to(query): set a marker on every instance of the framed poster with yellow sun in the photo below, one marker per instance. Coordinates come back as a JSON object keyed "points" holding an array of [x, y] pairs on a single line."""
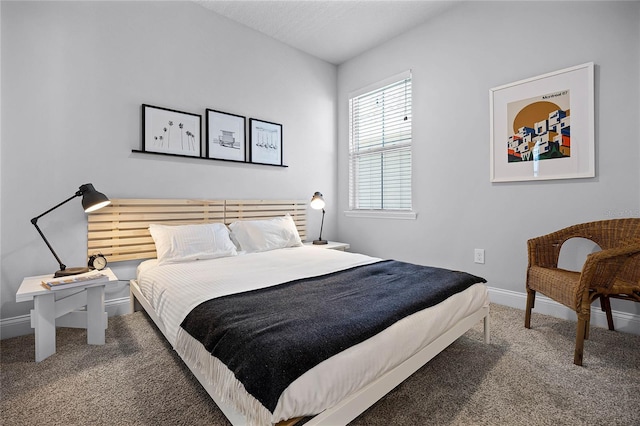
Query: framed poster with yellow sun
{"points": [[542, 128]]}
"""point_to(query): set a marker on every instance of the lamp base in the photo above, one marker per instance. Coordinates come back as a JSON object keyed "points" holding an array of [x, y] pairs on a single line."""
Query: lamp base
{"points": [[319, 242], [70, 271]]}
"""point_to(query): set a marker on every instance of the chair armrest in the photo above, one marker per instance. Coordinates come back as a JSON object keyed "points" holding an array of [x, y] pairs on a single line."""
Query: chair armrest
{"points": [[601, 268], [626, 251]]}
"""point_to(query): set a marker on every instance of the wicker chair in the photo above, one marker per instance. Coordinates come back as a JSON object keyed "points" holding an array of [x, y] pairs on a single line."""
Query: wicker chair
{"points": [[612, 272]]}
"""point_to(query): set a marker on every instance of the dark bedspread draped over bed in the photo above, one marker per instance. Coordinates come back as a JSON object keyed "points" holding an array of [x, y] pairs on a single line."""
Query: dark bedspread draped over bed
{"points": [[270, 337]]}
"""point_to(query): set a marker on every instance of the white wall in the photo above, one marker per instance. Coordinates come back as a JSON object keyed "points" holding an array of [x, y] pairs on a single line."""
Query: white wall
{"points": [[455, 59], [74, 75]]}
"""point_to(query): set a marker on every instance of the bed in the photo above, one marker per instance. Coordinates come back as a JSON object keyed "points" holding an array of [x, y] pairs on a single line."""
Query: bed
{"points": [[333, 390]]}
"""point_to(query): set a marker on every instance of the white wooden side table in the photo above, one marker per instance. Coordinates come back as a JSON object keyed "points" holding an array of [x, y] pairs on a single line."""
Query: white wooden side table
{"points": [[59, 308], [331, 245]]}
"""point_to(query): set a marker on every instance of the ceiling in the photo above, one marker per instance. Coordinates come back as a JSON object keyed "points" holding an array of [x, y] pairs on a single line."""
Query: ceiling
{"points": [[332, 30]]}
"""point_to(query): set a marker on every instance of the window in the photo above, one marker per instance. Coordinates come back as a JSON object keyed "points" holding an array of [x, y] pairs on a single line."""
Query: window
{"points": [[380, 147]]}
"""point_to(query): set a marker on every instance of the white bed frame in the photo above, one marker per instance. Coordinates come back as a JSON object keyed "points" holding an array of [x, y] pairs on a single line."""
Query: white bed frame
{"points": [[120, 232], [356, 403]]}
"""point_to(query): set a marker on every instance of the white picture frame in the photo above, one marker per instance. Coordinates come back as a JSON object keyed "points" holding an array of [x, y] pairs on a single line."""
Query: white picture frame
{"points": [[542, 127]]}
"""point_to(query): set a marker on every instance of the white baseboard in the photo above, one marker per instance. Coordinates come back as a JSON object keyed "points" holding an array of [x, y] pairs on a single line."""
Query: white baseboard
{"points": [[623, 321], [21, 325]]}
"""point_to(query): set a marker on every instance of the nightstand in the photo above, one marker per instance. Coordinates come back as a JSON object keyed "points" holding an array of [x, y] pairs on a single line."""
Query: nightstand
{"points": [[331, 245], [59, 308]]}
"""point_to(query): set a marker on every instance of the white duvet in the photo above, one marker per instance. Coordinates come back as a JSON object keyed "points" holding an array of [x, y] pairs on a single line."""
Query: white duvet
{"points": [[174, 290]]}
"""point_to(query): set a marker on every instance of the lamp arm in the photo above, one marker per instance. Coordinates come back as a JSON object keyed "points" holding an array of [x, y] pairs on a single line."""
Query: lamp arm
{"points": [[62, 265], [34, 221], [321, 225]]}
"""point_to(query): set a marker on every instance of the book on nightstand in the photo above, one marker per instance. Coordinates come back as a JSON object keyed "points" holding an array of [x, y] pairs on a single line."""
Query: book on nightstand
{"points": [[90, 277]]}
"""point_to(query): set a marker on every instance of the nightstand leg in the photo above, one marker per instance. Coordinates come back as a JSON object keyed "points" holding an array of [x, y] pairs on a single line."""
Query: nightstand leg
{"points": [[43, 320], [95, 315]]}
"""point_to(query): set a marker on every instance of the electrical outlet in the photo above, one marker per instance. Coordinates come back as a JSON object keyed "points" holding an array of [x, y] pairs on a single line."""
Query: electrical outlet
{"points": [[478, 256]]}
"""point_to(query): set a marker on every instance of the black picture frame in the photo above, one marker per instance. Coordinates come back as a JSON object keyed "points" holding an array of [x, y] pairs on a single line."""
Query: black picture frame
{"points": [[226, 136], [169, 131], [265, 146]]}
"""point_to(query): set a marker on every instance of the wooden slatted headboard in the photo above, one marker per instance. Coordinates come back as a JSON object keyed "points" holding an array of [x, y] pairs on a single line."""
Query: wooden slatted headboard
{"points": [[120, 230]]}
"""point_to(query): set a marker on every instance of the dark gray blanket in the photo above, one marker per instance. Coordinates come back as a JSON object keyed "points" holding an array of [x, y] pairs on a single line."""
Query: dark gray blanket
{"points": [[270, 337]]}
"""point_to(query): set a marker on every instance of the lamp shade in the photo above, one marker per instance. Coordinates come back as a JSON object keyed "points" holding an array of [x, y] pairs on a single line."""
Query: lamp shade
{"points": [[92, 200], [317, 202]]}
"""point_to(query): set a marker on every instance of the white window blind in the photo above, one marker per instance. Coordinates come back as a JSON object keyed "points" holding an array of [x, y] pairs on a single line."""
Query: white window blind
{"points": [[380, 146]]}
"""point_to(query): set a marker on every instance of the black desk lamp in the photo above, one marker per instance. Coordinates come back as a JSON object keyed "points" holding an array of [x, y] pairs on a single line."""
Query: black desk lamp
{"points": [[91, 200], [317, 203]]}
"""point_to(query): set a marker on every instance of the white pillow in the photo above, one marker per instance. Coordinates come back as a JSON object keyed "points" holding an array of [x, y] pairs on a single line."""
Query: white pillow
{"points": [[183, 243], [267, 234]]}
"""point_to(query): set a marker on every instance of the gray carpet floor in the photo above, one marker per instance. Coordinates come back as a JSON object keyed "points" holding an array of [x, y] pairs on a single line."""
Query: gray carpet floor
{"points": [[525, 377]]}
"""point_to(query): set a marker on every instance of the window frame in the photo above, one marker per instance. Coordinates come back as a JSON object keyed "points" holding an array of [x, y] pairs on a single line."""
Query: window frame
{"points": [[383, 213]]}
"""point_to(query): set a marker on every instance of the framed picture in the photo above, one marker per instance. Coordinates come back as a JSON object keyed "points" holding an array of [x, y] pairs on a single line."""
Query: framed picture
{"points": [[225, 136], [543, 127], [266, 142], [168, 131]]}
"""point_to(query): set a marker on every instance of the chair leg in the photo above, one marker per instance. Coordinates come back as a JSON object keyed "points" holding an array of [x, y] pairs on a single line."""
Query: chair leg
{"points": [[582, 332], [605, 304], [531, 298]]}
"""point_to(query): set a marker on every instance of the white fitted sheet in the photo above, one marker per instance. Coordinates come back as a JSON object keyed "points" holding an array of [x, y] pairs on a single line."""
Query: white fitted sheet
{"points": [[174, 290]]}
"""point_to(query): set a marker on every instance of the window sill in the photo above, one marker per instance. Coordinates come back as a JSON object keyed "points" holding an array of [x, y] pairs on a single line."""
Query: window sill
{"points": [[383, 214]]}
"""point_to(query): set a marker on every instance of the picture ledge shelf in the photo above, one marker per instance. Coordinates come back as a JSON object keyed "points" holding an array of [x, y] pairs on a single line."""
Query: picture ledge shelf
{"points": [[138, 151]]}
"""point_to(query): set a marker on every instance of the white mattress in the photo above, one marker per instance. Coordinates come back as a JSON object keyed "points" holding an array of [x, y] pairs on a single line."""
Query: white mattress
{"points": [[174, 290]]}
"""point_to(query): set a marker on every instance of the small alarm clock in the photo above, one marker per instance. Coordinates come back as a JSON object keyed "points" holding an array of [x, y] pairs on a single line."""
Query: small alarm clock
{"points": [[97, 261]]}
